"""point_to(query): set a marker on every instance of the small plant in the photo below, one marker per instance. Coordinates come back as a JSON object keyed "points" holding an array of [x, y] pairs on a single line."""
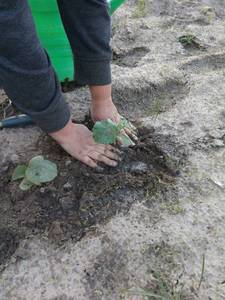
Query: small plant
{"points": [[140, 11], [161, 289], [174, 208], [156, 107], [165, 292], [38, 171], [209, 13], [190, 40], [108, 132], [166, 296]]}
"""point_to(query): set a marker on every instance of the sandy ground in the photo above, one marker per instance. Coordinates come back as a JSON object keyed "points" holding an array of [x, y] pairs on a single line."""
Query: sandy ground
{"points": [[166, 236]]}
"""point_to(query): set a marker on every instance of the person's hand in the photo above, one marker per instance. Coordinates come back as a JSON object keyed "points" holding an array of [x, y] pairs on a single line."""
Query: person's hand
{"points": [[105, 109], [77, 140]]}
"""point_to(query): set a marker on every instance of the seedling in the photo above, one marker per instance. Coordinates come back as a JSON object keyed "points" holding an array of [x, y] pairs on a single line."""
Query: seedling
{"points": [[140, 11], [108, 132], [164, 291], [38, 171], [190, 40], [165, 296]]}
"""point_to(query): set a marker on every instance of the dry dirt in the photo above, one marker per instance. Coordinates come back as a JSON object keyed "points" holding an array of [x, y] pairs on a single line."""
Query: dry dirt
{"points": [[154, 220]]}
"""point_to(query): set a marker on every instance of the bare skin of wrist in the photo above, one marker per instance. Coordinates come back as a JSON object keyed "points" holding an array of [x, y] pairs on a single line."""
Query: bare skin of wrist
{"points": [[77, 140], [102, 106]]}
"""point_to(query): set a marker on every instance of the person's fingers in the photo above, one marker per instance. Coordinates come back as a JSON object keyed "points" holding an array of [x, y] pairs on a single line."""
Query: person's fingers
{"points": [[107, 151], [131, 134], [102, 147], [102, 158], [114, 149], [125, 132], [89, 161], [111, 154], [124, 139], [119, 141]]}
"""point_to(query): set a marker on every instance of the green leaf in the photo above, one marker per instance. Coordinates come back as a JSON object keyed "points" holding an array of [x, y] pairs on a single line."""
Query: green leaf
{"points": [[40, 170], [36, 159], [105, 132], [25, 184], [19, 172], [124, 123], [126, 141]]}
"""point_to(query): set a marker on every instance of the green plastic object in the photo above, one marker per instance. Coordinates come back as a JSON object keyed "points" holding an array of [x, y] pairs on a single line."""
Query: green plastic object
{"points": [[52, 35], [114, 4]]}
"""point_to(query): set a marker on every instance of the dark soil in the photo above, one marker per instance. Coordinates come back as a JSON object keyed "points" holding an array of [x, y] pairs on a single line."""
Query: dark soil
{"points": [[80, 197], [8, 244]]}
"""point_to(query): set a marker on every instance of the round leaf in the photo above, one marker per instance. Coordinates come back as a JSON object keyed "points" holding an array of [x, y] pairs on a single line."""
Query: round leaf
{"points": [[41, 170], [25, 185], [19, 172], [105, 132]]}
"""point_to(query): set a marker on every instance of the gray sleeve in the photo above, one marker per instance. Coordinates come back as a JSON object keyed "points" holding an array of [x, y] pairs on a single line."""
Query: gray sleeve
{"points": [[26, 73]]}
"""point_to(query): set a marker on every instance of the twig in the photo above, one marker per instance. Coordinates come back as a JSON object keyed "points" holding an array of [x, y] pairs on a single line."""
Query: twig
{"points": [[202, 272]]}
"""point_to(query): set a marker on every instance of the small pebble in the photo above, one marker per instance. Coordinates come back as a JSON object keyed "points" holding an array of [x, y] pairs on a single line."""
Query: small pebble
{"points": [[55, 231], [66, 203], [99, 169], [42, 190], [68, 162], [216, 134], [67, 186], [63, 174], [218, 143], [5, 168], [138, 167], [22, 253]]}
